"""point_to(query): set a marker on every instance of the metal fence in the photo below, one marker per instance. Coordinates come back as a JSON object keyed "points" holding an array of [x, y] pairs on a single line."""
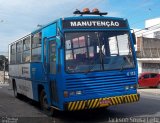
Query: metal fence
{"points": [[151, 67]]}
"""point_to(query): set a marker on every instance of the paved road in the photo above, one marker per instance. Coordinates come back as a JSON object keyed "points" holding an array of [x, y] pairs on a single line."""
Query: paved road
{"points": [[148, 106]]}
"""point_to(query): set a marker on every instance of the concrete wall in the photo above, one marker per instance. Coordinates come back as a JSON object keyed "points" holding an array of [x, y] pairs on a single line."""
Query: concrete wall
{"points": [[2, 76]]}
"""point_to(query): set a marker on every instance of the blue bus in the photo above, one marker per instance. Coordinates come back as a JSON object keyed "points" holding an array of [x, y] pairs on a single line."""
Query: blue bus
{"points": [[76, 63]]}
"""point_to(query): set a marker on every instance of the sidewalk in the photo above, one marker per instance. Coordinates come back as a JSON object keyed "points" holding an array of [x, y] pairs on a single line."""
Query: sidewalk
{"points": [[150, 91], [3, 84]]}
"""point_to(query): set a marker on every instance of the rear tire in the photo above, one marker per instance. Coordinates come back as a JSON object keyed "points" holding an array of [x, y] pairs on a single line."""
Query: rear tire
{"points": [[45, 107], [15, 90]]}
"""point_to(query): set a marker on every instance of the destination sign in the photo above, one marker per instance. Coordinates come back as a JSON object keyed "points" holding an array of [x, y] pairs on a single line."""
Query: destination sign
{"points": [[105, 23]]}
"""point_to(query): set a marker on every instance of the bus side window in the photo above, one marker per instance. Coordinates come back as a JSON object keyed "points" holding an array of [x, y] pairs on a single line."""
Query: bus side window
{"points": [[13, 54], [19, 50], [36, 47], [26, 50], [52, 57]]}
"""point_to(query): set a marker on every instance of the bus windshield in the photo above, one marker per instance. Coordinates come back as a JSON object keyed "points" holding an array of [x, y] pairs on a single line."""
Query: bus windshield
{"points": [[97, 51]]}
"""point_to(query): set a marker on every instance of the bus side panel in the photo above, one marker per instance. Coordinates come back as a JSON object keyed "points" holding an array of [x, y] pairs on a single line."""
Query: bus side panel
{"points": [[24, 87], [20, 74], [39, 79], [49, 31], [20, 70], [39, 70], [60, 75]]}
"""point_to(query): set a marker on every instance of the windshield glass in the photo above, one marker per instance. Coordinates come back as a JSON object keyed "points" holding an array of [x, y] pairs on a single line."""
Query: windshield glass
{"points": [[97, 51]]}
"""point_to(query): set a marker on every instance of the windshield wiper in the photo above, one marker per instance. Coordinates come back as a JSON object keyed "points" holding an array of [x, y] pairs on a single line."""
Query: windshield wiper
{"points": [[94, 63], [100, 51], [97, 58], [125, 60], [123, 63]]}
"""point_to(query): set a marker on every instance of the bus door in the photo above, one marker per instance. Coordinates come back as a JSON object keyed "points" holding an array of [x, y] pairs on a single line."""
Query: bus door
{"points": [[52, 61]]}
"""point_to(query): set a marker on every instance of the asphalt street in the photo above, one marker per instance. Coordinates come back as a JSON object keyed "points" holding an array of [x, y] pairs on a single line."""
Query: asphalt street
{"points": [[24, 110]]}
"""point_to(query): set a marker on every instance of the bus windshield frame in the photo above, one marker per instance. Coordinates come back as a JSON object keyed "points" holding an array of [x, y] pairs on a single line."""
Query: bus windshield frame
{"points": [[90, 51]]}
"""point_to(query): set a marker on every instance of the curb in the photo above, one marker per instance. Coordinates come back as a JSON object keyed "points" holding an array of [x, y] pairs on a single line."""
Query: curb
{"points": [[150, 92], [4, 84]]}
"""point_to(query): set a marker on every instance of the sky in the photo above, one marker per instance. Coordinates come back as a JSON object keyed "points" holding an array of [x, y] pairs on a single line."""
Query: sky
{"points": [[20, 17]]}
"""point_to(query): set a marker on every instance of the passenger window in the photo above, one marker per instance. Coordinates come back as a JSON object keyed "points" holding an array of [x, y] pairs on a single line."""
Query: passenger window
{"points": [[19, 52], [36, 54], [13, 49], [36, 40], [13, 54], [26, 45], [19, 46], [153, 75], [26, 56], [52, 57], [36, 47], [26, 50], [146, 76]]}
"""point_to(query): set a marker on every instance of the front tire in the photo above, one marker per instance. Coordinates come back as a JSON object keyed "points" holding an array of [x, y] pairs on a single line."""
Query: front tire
{"points": [[44, 104]]}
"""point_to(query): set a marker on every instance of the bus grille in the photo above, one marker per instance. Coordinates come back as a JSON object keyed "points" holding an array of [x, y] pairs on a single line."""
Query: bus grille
{"points": [[99, 84]]}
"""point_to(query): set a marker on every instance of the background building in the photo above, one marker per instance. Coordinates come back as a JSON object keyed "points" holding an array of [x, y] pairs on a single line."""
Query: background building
{"points": [[148, 46]]}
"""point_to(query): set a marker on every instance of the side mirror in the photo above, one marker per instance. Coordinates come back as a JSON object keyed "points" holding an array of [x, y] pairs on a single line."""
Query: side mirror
{"points": [[134, 38], [58, 41]]}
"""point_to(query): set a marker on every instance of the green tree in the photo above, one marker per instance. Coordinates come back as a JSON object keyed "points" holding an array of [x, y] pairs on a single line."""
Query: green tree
{"points": [[2, 64]]}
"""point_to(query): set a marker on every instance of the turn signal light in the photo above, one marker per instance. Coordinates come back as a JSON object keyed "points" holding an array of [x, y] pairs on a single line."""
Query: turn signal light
{"points": [[65, 94], [95, 10], [86, 10]]}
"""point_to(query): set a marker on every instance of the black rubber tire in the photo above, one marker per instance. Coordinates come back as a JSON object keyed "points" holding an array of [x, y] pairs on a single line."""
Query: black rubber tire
{"points": [[44, 104], [15, 90]]}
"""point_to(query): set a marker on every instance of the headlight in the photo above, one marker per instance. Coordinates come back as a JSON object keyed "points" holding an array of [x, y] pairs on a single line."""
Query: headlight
{"points": [[130, 87], [78, 92], [133, 86], [65, 93], [72, 93], [126, 87]]}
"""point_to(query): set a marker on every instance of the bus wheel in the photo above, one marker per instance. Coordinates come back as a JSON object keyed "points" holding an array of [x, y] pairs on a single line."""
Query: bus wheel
{"points": [[44, 104], [15, 90]]}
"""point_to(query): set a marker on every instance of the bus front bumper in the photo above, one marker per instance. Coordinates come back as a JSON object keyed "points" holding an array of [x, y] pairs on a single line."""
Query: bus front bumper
{"points": [[101, 102]]}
